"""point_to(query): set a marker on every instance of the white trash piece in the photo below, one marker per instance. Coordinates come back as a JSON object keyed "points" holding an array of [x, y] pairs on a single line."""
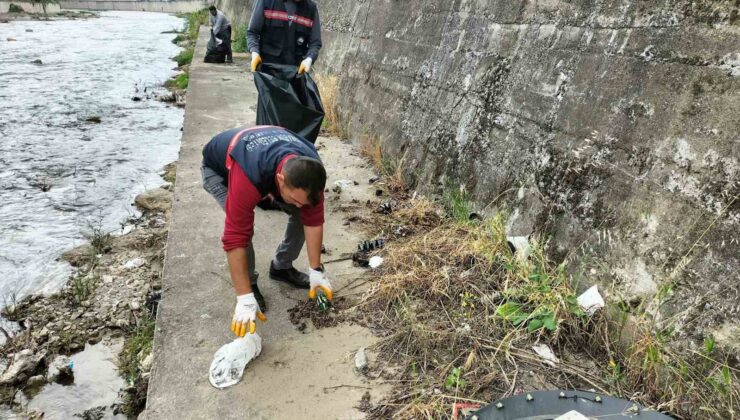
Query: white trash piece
{"points": [[375, 261], [544, 351], [135, 263], [590, 300], [230, 360], [343, 183], [572, 415]]}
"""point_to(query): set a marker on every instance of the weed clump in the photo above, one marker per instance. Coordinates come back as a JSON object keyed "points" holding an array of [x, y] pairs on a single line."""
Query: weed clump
{"points": [[460, 313]]}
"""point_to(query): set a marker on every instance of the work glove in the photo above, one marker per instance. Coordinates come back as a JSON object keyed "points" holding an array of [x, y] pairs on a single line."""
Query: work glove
{"points": [[247, 311], [305, 66], [256, 61], [317, 278]]}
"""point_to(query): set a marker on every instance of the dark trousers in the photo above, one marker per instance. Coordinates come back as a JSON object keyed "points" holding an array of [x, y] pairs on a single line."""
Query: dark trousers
{"points": [[288, 250], [225, 35]]}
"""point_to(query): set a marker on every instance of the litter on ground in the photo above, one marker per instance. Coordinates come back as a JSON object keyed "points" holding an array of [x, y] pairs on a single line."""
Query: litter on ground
{"points": [[230, 360]]}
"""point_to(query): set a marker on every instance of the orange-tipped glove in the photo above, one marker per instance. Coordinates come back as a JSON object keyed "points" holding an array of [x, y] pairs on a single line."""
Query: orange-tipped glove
{"points": [[247, 311], [305, 66], [318, 279], [256, 61]]}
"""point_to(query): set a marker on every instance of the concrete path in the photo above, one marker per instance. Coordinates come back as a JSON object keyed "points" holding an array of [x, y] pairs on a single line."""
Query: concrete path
{"points": [[299, 374]]}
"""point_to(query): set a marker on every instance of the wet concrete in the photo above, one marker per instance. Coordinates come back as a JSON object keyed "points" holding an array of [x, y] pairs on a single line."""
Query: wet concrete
{"points": [[299, 374]]}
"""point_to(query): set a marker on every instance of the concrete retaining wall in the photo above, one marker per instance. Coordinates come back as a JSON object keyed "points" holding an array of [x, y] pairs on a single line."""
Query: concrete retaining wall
{"points": [[610, 127], [185, 6], [29, 7]]}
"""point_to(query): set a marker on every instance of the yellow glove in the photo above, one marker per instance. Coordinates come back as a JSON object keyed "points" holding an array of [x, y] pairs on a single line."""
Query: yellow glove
{"points": [[318, 279], [305, 65], [256, 61], [247, 311]]}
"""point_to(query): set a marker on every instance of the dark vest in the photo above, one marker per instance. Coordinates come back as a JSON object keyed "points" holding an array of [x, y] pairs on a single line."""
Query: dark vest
{"points": [[258, 151], [282, 43]]}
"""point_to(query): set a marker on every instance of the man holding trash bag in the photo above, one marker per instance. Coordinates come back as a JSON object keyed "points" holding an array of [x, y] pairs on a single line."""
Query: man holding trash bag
{"points": [[221, 30], [284, 32], [240, 167]]}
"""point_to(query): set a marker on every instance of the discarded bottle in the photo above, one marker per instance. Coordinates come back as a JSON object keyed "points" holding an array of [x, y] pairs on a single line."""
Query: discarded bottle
{"points": [[322, 302], [365, 246]]}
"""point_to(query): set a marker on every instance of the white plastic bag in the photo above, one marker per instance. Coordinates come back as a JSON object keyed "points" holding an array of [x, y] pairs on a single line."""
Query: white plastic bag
{"points": [[591, 301], [230, 360]]}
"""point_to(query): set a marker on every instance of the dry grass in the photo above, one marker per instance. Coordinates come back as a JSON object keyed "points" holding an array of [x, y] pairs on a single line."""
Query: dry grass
{"points": [[460, 313], [371, 148], [334, 123]]}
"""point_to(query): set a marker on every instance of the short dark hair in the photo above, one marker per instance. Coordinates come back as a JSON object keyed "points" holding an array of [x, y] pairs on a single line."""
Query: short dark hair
{"points": [[212, 8], [307, 174]]}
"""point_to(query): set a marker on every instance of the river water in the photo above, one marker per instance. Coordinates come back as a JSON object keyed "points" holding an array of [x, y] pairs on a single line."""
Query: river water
{"points": [[61, 174]]}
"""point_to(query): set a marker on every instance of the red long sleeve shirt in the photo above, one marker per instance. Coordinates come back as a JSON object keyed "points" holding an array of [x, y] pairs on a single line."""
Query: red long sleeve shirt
{"points": [[241, 199]]}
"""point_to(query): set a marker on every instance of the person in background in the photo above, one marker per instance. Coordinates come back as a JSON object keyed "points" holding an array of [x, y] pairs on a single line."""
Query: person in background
{"points": [[284, 32], [221, 29]]}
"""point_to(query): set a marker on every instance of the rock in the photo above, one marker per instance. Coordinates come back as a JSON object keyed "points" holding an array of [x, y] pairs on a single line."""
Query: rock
{"points": [[170, 172], [93, 119], [107, 279], [134, 263], [136, 98], [361, 360], [10, 39], [61, 370], [167, 97], [37, 61], [157, 199], [37, 380], [24, 362], [135, 306], [42, 333], [146, 364], [29, 30]]}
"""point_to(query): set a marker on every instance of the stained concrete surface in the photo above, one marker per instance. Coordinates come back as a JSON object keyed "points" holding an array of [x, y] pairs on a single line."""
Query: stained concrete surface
{"points": [[298, 375]]}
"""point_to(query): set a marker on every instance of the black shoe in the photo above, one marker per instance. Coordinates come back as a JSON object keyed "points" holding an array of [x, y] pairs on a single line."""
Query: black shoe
{"points": [[229, 61], [290, 276], [268, 203], [259, 298]]}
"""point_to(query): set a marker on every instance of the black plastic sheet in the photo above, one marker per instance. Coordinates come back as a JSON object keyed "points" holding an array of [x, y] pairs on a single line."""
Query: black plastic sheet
{"points": [[289, 100], [215, 53]]}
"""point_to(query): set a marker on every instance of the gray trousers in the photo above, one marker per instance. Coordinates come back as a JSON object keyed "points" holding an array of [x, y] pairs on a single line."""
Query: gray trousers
{"points": [[292, 243]]}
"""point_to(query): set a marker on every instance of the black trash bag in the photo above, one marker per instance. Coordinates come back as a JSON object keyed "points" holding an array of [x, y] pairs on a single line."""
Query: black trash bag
{"points": [[215, 53], [288, 100]]}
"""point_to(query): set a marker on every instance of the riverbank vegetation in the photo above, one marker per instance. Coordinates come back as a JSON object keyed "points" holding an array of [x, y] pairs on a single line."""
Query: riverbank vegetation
{"points": [[462, 312], [112, 294], [187, 39]]}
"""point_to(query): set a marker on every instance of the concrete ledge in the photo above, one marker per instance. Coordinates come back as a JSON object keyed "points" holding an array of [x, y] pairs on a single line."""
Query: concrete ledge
{"points": [[305, 374]]}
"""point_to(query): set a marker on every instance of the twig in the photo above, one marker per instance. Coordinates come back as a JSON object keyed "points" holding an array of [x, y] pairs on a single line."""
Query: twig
{"points": [[338, 259], [5, 333], [326, 388]]}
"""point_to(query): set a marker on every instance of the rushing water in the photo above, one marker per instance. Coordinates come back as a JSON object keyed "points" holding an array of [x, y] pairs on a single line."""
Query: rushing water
{"points": [[60, 174]]}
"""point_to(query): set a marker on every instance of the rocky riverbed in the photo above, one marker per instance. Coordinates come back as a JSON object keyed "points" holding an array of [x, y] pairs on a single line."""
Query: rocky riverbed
{"points": [[111, 296]]}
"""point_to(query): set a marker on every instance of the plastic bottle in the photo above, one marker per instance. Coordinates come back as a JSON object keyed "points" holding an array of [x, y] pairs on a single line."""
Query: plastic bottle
{"points": [[322, 302]]}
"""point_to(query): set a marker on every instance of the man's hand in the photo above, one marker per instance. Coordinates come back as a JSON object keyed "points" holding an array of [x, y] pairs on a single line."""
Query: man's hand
{"points": [[256, 61], [305, 66], [247, 311], [318, 279]]}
